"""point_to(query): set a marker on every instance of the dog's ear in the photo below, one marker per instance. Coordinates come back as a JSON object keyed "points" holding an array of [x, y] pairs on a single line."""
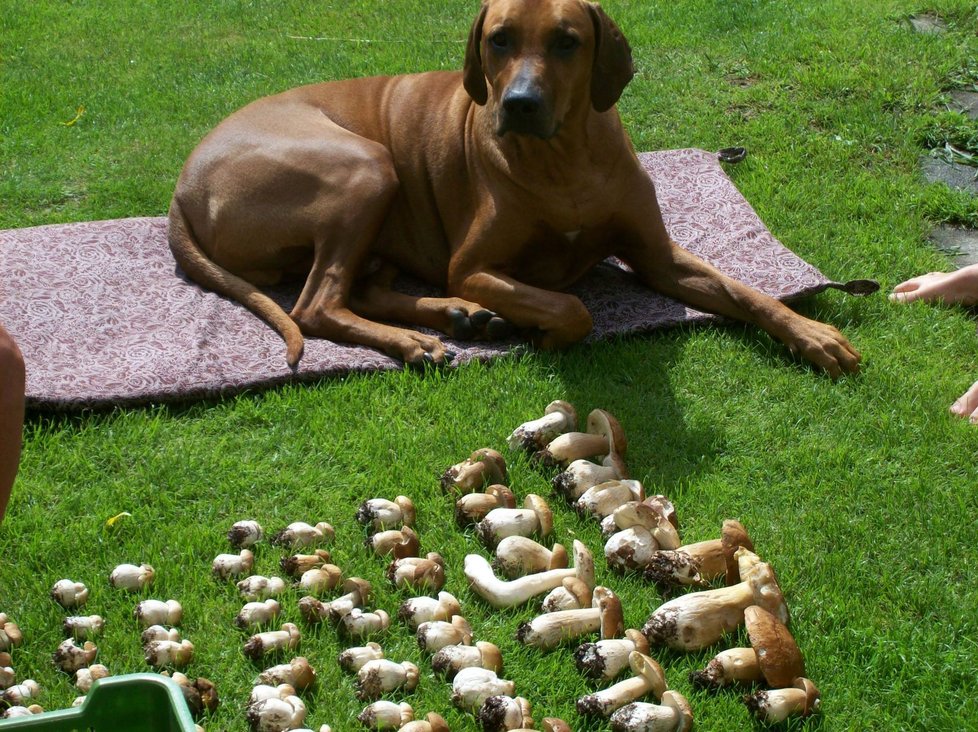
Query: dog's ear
{"points": [[474, 76], [613, 67]]}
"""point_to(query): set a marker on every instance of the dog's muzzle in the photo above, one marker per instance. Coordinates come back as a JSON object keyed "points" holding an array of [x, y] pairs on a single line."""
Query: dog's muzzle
{"points": [[524, 111]]}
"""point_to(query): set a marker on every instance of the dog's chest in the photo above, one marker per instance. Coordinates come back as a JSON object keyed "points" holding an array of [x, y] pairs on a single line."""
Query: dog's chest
{"points": [[556, 259]]}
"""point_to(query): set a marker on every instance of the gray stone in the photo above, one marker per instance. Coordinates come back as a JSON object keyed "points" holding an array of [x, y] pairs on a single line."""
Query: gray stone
{"points": [[954, 175], [959, 245], [928, 23], [965, 102]]}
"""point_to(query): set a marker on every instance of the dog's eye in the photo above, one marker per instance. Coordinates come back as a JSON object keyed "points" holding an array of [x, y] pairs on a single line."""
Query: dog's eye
{"points": [[566, 44], [499, 40]]}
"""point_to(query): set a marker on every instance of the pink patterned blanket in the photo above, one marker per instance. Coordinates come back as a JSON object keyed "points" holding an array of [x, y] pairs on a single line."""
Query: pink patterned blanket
{"points": [[104, 317]]}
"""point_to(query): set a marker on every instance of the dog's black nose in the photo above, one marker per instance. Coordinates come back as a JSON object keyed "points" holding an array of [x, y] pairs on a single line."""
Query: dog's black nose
{"points": [[522, 104]]}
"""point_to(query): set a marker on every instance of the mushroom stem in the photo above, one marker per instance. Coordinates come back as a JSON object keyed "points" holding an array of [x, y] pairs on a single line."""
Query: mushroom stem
{"points": [[485, 466], [358, 624], [502, 713], [452, 659], [300, 534], [82, 627], [353, 659], [732, 666], [159, 653], [244, 534], [517, 556], [534, 518], [472, 686], [558, 417], [70, 657], [583, 474], [257, 613], [607, 658], [418, 610], [296, 564], [384, 714], [673, 715], [648, 679], [157, 612], [257, 587], [297, 673], [381, 676], [131, 578], [604, 436], [549, 630], [436, 634], [380, 514], [399, 542], [261, 644], [777, 705]]}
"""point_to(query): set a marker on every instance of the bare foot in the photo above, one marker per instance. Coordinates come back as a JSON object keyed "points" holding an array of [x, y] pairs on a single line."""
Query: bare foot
{"points": [[966, 406], [960, 287]]}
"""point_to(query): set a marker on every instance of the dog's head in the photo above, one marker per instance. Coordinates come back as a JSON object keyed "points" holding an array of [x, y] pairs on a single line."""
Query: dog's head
{"points": [[543, 58]]}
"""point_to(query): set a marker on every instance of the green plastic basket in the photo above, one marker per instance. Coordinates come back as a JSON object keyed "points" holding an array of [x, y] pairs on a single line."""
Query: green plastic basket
{"points": [[130, 703]]}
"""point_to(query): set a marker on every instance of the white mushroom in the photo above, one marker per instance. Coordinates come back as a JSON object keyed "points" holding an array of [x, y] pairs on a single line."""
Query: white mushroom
{"points": [[482, 467], [261, 644], [300, 534], [69, 594], [432, 722], [648, 678], [157, 612], [82, 627], [229, 566], [258, 587], [517, 556], [297, 673], [559, 417], [417, 573], [534, 518], [10, 633], [384, 714], [21, 711], [473, 685], [277, 714], [261, 692], [473, 507], [573, 594], [320, 580], [699, 619], [777, 705], [673, 715], [352, 659], [607, 658], [549, 630], [17, 694], [85, 677], [500, 593], [131, 578], [159, 633], [434, 635], [604, 436], [380, 514], [580, 475], [417, 610], [602, 500], [502, 713], [380, 676], [7, 676], [296, 564], [452, 659], [360, 624], [358, 592], [70, 657], [257, 613], [244, 534], [159, 653], [398, 542]]}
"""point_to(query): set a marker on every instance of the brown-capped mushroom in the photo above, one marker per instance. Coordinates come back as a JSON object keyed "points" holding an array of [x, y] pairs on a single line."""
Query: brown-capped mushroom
{"points": [[159, 633], [69, 594], [85, 677], [648, 678], [417, 610], [425, 574], [157, 612], [258, 587], [672, 715], [434, 635], [482, 467], [357, 594], [382, 715], [296, 564], [517, 556], [473, 685], [400, 543], [245, 534], [262, 644], [534, 518], [502, 713], [200, 693], [549, 630], [70, 657], [558, 417], [18, 694], [131, 578], [297, 673], [7, 676], [774, 706], [501, 593], [277, 714], [352, 659], [473, 507], [607, 658], [380, 514], [602, 500], [432, 722], [573, 594], [699, 619], [83, 627], [604, 436], [380, 676], [452, 659], [773, 657], [580, 475], [257, 613], [321, 579], [360, 624], [159, 653], [299, 534], [699, 563]]}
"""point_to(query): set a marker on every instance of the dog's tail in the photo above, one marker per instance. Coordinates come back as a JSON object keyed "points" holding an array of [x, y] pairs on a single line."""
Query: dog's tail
{"points": [[204, 271]]}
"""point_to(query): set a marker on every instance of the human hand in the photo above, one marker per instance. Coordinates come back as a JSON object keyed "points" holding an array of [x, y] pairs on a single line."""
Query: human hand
{"points": [[959, 287], [966, 406]]}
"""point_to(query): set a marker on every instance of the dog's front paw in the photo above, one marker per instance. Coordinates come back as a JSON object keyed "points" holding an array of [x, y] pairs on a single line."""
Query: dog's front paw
{"points": [[825, 347]]}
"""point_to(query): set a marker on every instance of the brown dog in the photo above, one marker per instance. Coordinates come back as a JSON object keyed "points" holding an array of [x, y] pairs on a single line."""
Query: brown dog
{"points": [[502, 184]]}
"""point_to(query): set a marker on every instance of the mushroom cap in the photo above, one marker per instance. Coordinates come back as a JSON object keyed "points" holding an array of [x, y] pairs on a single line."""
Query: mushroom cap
{"points": [[503, 494], [649, 669], [733, 535], [492, 657], [565, 408], [583, 563], [542, 510], [600, 422], [764, 584], [409, 544], [640, 641], [358, 585], [558, 557], [778, 655], [408, 513], [552, 724], [676, 701], [609, 607], [579, 589], [812, 695]]}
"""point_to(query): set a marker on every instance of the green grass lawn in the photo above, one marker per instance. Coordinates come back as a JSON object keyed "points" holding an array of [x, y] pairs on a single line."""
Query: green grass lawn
{"points": [[861, 493]]}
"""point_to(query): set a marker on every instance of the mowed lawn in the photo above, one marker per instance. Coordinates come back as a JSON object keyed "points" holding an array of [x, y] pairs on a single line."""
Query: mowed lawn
{"points": [[861, 493]]}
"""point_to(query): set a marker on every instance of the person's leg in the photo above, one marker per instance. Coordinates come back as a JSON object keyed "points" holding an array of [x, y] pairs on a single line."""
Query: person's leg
{"points": [[11, 414], [959, 287]]}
